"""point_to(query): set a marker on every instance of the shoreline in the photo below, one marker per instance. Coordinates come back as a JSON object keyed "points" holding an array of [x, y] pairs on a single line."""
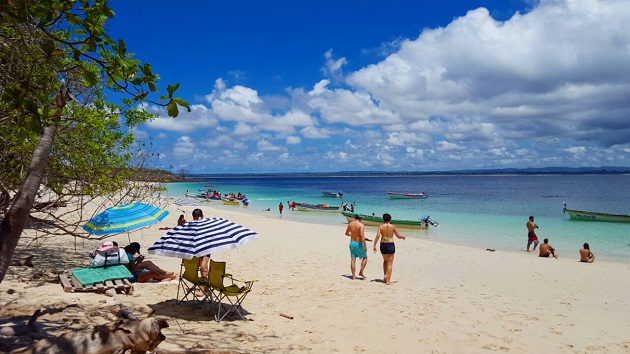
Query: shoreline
{"points": [[471, 211], [414, 234], [445, 299]]}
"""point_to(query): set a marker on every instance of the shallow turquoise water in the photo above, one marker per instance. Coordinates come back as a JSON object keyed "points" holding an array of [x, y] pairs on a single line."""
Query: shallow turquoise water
{"points": [[480, 211]]}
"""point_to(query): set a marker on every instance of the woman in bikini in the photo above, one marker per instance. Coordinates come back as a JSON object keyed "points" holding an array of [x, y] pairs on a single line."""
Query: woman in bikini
{"points": [[142, 270], [386, 234]]}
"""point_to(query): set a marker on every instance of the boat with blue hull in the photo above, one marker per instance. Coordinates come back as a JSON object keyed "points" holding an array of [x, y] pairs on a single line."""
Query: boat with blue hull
{"points": [[317, 207]]}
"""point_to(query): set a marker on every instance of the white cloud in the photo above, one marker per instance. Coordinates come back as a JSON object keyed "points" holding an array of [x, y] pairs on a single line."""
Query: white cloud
{"points": [[315, 133], [140, 134], [577, 150], [184, 147], [529, 67], [244, 129], [447, 146], [265, 145], [238, 103], [353, 108], [333, 67], [545, 86], [199, 117], [287, 122], [293, 140]]}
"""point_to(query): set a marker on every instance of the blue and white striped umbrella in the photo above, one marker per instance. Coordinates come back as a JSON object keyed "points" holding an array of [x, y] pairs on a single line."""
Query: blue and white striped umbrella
{"points": [[124, 218], [186, 202], [199, 238]]}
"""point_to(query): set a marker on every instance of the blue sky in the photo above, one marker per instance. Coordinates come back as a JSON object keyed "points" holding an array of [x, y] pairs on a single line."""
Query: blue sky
{"points": [[326, 86]]}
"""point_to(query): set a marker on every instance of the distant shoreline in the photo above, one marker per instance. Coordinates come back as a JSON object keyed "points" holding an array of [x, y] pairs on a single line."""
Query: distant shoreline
{"points": [[524, 172]]}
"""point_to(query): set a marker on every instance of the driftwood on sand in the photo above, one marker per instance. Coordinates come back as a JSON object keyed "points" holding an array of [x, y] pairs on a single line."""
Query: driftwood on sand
{"points": [[21, 329], [136, 336], [197, 351], [26, 261]]}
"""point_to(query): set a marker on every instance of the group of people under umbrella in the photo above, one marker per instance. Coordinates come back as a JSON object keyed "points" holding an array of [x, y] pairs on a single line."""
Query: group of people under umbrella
{"points": [[197, 238]]}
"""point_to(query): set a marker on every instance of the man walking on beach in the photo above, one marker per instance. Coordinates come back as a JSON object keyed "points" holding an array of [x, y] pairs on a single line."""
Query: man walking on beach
{"points": [[546, 250], [358, 246], [531, 235]]}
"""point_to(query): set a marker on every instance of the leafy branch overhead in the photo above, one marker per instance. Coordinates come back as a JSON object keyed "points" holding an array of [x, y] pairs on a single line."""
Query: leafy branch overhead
{"points": [[74, 42]]}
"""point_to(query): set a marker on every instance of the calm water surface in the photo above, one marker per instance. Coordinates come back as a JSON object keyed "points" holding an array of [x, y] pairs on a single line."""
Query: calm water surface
{"points": [[482, 211]]}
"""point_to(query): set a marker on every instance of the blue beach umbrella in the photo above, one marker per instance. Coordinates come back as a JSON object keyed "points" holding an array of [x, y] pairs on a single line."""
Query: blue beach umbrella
{"points": [[124, 218], [199, 238]]}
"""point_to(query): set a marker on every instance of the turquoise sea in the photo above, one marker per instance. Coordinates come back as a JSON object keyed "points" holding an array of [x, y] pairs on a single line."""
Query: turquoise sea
{"points": [[486, 211]]}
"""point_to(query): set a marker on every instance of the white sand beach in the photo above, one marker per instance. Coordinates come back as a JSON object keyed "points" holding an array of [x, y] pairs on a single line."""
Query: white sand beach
{"points": [[446, 299]]}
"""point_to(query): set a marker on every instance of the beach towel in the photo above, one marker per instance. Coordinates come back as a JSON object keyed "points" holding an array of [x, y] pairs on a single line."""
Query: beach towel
{"points": [[91, 276]]}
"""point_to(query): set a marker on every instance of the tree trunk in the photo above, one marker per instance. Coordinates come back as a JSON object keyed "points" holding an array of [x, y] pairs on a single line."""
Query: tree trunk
{"points": [[19, 212]]}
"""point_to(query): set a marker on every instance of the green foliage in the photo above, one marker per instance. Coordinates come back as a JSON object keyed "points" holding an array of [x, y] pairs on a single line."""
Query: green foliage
{"points": [[82, 49], [51, 44], [91, 150]]}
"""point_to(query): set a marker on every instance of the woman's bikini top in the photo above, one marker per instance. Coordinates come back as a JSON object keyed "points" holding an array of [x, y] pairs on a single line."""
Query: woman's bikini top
{"points": [[387, 239]]}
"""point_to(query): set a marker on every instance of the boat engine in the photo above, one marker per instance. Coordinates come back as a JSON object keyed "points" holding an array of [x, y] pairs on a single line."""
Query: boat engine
{"points": [[426, 219]]}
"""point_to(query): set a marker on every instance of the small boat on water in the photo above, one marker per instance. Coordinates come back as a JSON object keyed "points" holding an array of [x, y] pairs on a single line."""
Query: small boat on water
{"points": [[372, 220], [332, 194], [407, 195], [230, 201], [584, 215], [317, 207]]}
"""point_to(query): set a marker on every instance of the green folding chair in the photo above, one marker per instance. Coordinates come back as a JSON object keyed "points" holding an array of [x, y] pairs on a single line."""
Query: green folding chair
{"points": [[233, 291], [190, 282]]}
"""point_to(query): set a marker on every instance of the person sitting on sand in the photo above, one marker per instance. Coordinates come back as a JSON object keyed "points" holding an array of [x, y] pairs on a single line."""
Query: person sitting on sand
{"points": [[546, 250], [181, 220], [586, 255], [142, 270]]}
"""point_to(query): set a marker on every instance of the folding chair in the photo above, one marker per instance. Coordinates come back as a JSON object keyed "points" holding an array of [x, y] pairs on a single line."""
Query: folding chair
{"points": [[190, 282], [219, 291]]}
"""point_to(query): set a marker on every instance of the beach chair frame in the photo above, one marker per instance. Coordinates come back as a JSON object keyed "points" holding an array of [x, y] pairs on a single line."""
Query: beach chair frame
{"points": [[190, 282], [234, 293]]}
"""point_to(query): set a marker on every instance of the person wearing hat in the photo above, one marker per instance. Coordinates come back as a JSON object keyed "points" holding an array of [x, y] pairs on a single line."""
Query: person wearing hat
{"points": [[358, 245]]}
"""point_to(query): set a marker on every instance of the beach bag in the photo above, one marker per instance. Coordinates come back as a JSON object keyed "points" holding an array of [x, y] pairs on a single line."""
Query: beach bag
{"points": [[108, 255]]}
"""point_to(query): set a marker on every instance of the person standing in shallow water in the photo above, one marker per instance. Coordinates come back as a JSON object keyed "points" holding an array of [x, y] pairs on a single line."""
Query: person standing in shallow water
{"points": [[386, 234], [531, 235]]}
